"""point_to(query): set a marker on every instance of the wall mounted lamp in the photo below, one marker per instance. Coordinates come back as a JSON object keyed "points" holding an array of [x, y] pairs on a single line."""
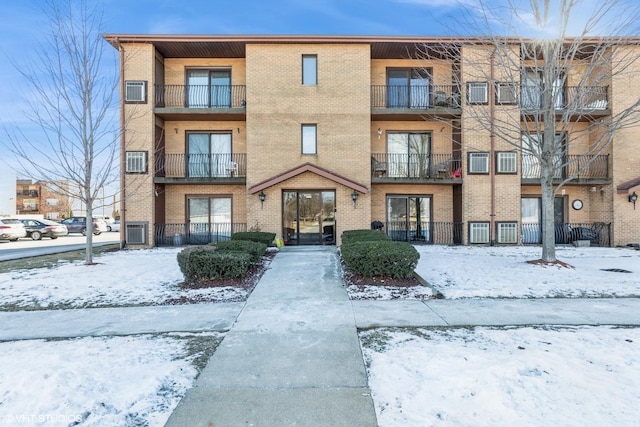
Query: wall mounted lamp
{"points": [[262, 198], [354, 197], [379, 133], [633, 198]]}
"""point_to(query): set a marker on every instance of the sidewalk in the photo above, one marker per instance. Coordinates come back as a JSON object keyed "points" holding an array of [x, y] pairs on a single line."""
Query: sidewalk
{"points": [[292, 358]]}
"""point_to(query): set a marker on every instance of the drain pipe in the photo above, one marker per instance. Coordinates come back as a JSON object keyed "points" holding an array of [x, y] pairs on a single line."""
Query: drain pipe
{"points": [[492, 153], [123, 210]]}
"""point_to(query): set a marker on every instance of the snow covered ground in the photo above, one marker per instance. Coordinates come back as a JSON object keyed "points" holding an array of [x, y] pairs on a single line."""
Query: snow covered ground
{"points": [[450, 377], [492, 272], [114, 381], [578, 376]]}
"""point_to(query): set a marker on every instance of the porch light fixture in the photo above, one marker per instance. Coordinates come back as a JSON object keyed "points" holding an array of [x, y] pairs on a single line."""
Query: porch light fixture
{"points": [[354, 197], [633, 198], [379, 133], [262, 198]]}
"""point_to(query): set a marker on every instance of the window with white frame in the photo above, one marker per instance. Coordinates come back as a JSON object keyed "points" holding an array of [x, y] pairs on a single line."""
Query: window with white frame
{"points": [[136, 162], [478, 232], [479, 162], [309, 70], [477, 92], [135, 91], [506, 93], [309, 139], [506, 162], [507, 232]]}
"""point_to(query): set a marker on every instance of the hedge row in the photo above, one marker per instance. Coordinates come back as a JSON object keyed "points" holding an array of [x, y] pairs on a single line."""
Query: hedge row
{"points": [[351, 236], [365, 252], [255, 236], [223, 260]]}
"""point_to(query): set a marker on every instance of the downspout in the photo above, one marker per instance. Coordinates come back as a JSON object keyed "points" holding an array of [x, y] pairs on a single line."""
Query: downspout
{"points": [[492, 154], [123, 210]]}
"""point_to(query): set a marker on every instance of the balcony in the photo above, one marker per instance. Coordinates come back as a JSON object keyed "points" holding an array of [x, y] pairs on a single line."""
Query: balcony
{"points": [[204, 168], [577, 100], [578, 166], [389, 167], [412, 102], [195, 233], [425, 232], [200, 102], [597, 233]]}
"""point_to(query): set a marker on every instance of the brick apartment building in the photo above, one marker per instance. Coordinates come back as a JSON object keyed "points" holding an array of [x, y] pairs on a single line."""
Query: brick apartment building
{"points": [[308, 136], [41, 198]]}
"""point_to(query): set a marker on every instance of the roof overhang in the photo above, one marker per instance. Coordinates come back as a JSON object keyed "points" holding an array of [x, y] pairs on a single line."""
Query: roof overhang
{"points": [[308, 167], [629, 187]]}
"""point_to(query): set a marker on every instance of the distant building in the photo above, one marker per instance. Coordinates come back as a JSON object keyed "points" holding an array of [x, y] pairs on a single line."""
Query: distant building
{"points": [[48, 199]]}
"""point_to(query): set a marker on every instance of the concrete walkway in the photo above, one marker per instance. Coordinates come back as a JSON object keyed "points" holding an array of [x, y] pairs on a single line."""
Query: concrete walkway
{"points": [[293, 357]]}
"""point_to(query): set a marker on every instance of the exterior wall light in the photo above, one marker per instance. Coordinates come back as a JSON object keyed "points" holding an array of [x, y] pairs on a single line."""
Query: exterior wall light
{"points": [[633, 198], [354, 197], [379, 133], [262, 198]]}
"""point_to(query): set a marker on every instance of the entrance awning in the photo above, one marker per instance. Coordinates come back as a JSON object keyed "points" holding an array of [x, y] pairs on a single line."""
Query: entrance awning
{"points": [[308, 167]]}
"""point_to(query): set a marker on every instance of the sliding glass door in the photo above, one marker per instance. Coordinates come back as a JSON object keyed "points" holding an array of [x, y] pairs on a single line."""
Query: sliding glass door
{"points": [[209, 219], [209, 154], [209, 88], [409, 218]]}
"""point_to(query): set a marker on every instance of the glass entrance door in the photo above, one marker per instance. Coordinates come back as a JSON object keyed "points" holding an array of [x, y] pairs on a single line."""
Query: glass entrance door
{"points": [[308, 217]]}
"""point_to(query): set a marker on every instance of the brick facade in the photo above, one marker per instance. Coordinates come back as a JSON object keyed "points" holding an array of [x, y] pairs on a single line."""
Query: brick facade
{"points": [[354, 134]]}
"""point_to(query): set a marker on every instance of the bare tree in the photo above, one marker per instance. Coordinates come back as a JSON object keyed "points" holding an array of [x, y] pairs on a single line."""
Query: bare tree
{"points": [[543, 89], [72, 103]]}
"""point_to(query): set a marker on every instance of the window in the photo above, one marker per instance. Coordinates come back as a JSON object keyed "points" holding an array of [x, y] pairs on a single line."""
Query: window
{"points": [[136, 162], [135, 91], [309, 70], [408, 88], [209, 219], [478, 162], [477, 93], [506, 162], [506, 93], [209, 155], [309, 139], [478, 232], [408, 154], [209, 88], [136, 233], [507, 232]]}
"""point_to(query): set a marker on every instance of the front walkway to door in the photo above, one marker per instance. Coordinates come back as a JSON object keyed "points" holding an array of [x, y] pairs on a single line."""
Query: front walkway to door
{"points": [[292, 357]]}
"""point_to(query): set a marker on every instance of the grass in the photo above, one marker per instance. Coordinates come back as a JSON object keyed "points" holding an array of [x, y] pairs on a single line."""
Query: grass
{"points": [[52, 260]]}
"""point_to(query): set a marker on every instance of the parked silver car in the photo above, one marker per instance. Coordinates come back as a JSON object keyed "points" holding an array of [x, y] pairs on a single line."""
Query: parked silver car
{"points": [[39, 228], [11, 229]]}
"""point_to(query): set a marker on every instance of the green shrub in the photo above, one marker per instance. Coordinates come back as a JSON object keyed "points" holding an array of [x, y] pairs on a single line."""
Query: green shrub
{"points": [[380, 258], [205, 262], [255, 236], [352, 236], [185, 254], [254, 249]]}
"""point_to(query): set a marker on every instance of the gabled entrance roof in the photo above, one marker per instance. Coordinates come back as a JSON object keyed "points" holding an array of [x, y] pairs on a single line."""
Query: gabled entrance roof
{"points": [[308, 167]]}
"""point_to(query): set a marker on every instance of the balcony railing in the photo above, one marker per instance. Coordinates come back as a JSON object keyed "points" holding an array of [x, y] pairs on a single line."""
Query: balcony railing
{"points": [[195, 233], [200, 96], [415, 97], [577, 99], [30, 193], [577, 166], [417, 166], [597, 233], [425, 232], [201, 165]]}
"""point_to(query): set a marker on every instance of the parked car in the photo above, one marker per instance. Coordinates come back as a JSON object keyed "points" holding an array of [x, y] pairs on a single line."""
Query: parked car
{"points": [[78, 224], [11, 229], [114, 226], [39, 228]]}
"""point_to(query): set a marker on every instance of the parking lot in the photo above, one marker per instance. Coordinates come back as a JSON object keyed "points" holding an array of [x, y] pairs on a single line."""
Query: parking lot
{"points": [[27, 247]]}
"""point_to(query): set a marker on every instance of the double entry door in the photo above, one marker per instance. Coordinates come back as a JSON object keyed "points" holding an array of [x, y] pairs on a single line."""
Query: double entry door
{"points": [[309, 217]]}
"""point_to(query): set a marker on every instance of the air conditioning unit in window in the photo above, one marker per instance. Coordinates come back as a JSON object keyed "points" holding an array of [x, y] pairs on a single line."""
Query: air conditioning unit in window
{"points": [[136, 234], [135, 91]]}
